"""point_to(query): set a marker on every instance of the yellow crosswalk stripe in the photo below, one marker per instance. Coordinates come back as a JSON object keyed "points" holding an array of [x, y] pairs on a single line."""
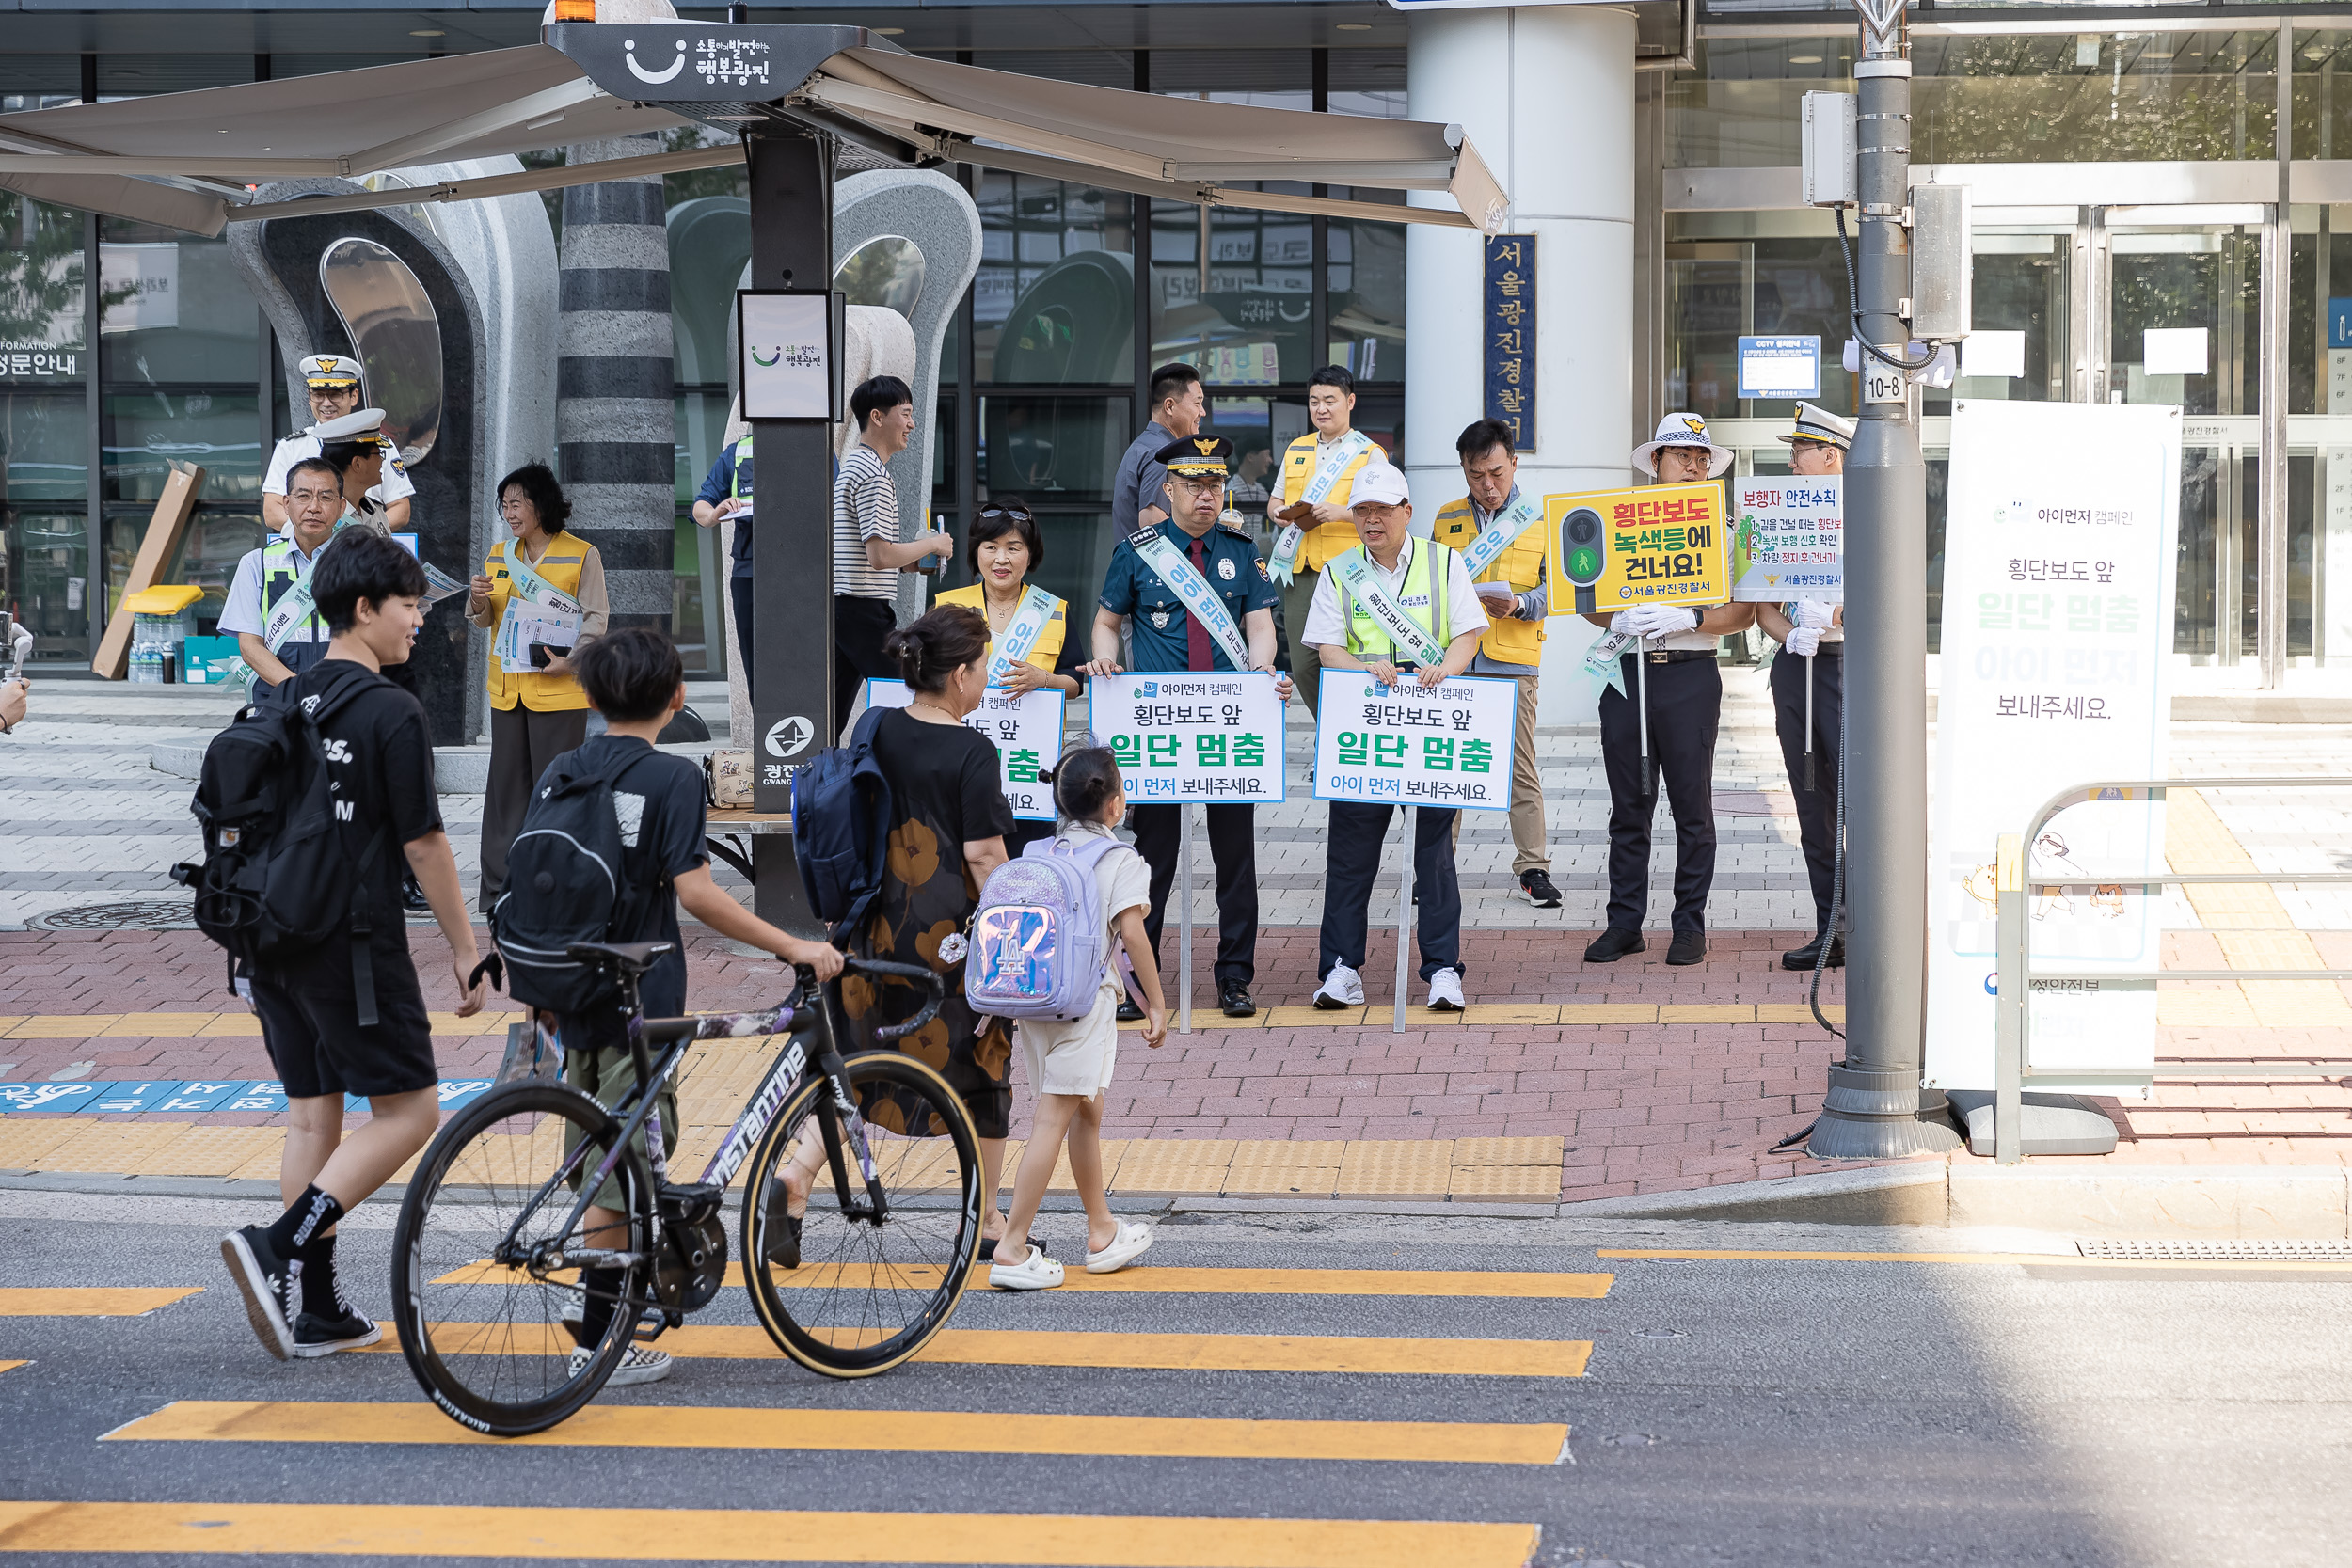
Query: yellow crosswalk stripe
{"points": [[87, 1301], [869, 1431], [1155, 1281], [759, 1535], [993, 1347], [2047, 1259]]}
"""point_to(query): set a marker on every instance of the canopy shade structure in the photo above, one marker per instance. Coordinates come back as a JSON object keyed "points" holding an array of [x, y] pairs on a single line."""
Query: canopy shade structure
{"points": [[186, 159]]}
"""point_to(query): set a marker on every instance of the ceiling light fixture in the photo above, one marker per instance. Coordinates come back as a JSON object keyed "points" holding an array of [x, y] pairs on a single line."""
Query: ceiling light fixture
{"points": [[1804, 59], [1355, 26], [428, 33]]}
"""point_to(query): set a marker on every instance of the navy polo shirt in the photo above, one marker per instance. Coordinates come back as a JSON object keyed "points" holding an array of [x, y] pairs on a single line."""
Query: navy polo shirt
{"points": [[1157, 620]]}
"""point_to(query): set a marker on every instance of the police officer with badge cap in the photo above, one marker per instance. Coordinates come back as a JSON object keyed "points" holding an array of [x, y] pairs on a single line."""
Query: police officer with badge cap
{"points": [[333, 381], [1677, 647], [1815, 632], [1142, 595]]}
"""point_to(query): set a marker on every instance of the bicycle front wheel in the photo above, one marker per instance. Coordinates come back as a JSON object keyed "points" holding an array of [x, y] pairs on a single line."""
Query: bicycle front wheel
{"points": [[492, 1341], [865, 1295]]}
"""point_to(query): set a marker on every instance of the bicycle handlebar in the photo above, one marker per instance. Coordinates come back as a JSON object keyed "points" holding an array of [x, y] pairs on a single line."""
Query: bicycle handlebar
{"points": [[914, 975]]}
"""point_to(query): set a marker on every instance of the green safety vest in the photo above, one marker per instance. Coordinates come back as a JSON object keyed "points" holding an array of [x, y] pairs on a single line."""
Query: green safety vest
{"points": [[1425, 578], [742, 451], [281, 569]]}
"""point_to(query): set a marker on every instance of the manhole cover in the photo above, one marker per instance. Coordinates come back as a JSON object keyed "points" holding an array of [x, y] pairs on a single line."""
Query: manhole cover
{"points": [[132, 915], [2199, 1251]]}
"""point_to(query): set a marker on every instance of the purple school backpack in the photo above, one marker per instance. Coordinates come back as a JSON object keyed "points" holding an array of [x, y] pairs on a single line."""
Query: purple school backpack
{"points": [[1039, 946]]}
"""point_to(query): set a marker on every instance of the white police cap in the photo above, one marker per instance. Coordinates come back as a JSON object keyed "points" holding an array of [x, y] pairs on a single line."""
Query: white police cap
{"points": [[323, 370]]}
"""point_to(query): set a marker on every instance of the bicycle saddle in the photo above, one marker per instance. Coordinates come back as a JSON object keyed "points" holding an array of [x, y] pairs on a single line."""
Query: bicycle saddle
{"points": [[630, 957]]}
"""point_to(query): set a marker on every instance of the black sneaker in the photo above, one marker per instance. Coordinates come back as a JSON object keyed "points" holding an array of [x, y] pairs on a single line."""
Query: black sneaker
{"points": [[314, 1336], [1130, 1013], [1612, 944], [268, 1283], [1535, 887], [1234, 998], [1689, 948], [1805, 957], [412, 898], [784, 1238]]}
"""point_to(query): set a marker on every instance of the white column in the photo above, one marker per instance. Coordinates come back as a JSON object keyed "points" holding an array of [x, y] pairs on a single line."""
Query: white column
{"points": [[1546, 93]]}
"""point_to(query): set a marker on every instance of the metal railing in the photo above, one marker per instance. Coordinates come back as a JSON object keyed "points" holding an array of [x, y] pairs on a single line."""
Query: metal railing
{"points": [[2015, 887]]}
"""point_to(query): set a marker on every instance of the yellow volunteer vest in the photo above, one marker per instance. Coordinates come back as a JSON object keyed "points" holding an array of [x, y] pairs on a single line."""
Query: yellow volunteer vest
{"points": [[567, 554], [1048, 649], [1422, 594], [1520, 565], [1298, 471]]}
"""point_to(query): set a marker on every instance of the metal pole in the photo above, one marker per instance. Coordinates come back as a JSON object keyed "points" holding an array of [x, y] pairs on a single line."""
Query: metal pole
{"points": [[1809, 775], [1405, 914], [1184, 927], [1641, 697], [2010, 1007], [1875, 1107]]}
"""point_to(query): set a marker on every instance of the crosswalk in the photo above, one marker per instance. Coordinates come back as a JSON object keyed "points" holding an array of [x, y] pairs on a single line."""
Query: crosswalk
{"points": [[1021, 1417]]}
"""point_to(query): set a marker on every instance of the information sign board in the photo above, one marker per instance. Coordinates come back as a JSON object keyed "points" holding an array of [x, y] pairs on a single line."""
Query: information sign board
{"points": [[1026, 729], [1183, 737], [1789, 539], [1657, 544], [1780, 366]]}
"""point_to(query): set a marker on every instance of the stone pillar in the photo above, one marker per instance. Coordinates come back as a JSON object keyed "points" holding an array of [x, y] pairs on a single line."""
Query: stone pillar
{"points": [[1546, 93], [615, 426]]}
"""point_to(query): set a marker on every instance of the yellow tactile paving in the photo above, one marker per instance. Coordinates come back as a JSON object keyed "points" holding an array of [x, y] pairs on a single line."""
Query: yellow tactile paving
{"points": [[24, 1144], [1509, 1152], [1399, 1168], [158, 1025], [1268, 1168], [1176, 1166], [8, 1022], [62, 1026], [1707, 1012], [1505, 1183], [1609, 1012], [242, 1026], [2197, 840], [115, 1147], [205, 1150]]}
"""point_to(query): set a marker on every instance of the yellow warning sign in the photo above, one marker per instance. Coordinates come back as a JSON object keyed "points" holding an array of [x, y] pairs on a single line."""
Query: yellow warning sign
{"points": [[1659, 543]]}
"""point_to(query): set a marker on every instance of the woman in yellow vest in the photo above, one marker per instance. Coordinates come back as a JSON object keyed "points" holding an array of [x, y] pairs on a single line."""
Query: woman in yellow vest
{"points": [[537, 713], [1003, 546]]}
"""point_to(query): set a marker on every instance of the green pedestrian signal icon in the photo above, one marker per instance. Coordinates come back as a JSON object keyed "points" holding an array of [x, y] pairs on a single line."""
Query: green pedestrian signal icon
{"points": [[1580, 547]]}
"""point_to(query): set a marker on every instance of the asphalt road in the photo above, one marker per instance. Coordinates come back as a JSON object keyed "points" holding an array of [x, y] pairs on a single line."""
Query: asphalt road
{"points": [[1732, 1412]]}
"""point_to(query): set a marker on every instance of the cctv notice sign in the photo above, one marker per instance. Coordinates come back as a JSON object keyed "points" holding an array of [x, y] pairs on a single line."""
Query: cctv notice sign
{"points": [[1405, 745], [1789, 538], [1182, 737], [1026, 730], [1659, 544]]}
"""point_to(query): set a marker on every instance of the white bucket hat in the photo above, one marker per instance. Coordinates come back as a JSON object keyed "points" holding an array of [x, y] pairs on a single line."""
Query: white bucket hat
{"points": [[1682, 430]]}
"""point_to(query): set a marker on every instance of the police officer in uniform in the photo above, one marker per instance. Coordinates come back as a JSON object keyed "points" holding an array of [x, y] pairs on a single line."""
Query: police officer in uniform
{"points": [[1167, 636], [1428, 582], [1815, 632], [333, 382], [1677, 644]]}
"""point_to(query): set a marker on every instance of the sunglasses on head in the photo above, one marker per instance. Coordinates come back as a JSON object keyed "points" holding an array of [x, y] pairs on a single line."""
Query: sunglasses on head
{"points": [[994, 509]]}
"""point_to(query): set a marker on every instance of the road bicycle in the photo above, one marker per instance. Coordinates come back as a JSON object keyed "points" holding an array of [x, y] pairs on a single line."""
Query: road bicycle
{"points": [[490, 1252]]}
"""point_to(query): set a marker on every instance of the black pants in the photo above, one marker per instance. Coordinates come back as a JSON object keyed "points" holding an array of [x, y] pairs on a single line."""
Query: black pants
{"points": [[1234, 844], [1686, 701], [522, 742], [1359, 834], [859, 627], [740, 590], [1816, 808]]}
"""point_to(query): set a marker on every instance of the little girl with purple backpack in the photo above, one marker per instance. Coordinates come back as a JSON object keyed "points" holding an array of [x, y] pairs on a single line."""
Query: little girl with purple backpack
{"points": [[1070, 1060]]}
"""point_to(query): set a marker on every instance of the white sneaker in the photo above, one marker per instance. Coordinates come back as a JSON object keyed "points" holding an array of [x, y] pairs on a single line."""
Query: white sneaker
{"points": [[1341, 988], [639, 1363], [1445, 992]]}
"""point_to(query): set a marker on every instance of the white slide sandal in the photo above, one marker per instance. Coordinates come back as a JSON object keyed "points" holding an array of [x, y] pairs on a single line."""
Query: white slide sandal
{"points": [[1132, 1243]]}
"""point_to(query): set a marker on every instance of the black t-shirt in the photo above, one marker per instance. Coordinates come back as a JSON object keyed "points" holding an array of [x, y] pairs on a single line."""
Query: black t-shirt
{"points": [[379, 757], [659, 800], [944, 776]]}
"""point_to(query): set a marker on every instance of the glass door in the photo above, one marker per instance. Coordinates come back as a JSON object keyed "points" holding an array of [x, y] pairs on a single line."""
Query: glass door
{"points": [[2171, 313]]}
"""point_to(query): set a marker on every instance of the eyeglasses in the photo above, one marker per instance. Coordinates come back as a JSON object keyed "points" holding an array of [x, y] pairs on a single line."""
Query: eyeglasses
{"points": [[1198, 487]]}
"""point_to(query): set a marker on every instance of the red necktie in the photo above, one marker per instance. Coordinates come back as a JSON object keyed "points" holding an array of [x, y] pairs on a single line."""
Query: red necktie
{"points": [[1196, 635]]}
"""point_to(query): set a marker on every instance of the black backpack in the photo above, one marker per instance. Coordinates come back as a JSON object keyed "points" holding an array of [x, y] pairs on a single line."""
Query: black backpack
{"points": [[567, 881], [841, 821], [276, 881]]}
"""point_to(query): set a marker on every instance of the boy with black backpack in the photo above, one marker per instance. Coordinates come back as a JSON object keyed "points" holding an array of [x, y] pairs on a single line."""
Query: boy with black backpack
{"points": [[613, 829], [311, 904]]}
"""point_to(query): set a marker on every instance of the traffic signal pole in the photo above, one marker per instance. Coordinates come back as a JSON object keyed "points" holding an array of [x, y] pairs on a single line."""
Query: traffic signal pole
{"points": [[1876, 1107]]}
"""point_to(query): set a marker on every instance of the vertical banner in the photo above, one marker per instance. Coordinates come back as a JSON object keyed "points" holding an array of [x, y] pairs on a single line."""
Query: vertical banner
{"points": [[1182, 737], [1508, 321], [1789, 538], [2057, 615], [1025, 729], [1447, 745]]}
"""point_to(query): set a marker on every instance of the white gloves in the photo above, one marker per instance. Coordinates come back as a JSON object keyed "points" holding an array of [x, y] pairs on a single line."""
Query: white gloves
{"points": [[1813, 613], [1803, 641], [1654, 620]]}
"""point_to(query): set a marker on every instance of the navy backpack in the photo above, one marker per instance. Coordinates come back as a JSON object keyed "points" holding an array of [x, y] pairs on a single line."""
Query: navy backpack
{"points": [[841, 812]]}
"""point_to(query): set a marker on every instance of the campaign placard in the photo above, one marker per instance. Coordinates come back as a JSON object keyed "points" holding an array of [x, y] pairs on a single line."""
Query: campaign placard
{"points": [[1191, 737], [1408, 745], [1659, 543], [1789, 540], [1026, 730]]}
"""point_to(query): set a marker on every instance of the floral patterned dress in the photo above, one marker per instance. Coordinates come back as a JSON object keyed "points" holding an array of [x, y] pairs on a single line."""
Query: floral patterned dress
{"points": [[943, 785]]}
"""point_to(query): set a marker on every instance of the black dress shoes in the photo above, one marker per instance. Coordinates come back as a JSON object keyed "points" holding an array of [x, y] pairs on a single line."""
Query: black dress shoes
{"points": [[1129, 1012], [1809, 955], [1612, 944], [1689, 948], [1234, 998]]}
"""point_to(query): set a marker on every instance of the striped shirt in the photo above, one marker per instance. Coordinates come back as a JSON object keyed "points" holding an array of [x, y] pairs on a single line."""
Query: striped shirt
{"points": [[865, 506]]}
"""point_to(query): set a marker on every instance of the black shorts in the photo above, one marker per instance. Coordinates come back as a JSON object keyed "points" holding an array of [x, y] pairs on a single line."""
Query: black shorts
{"points": [[311, 1023]]}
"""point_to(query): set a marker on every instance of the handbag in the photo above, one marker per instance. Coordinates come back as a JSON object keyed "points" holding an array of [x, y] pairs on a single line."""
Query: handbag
{"points": [[727, 780]]}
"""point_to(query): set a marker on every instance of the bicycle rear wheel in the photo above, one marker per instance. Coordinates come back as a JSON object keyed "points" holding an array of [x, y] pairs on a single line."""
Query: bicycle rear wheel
{"points": [[489, 1340], [866, 1296]]}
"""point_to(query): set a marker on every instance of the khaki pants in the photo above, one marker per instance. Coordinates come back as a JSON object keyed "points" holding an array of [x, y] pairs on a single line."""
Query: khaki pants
{"points": [[1296, 599], [1528, 850]]}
